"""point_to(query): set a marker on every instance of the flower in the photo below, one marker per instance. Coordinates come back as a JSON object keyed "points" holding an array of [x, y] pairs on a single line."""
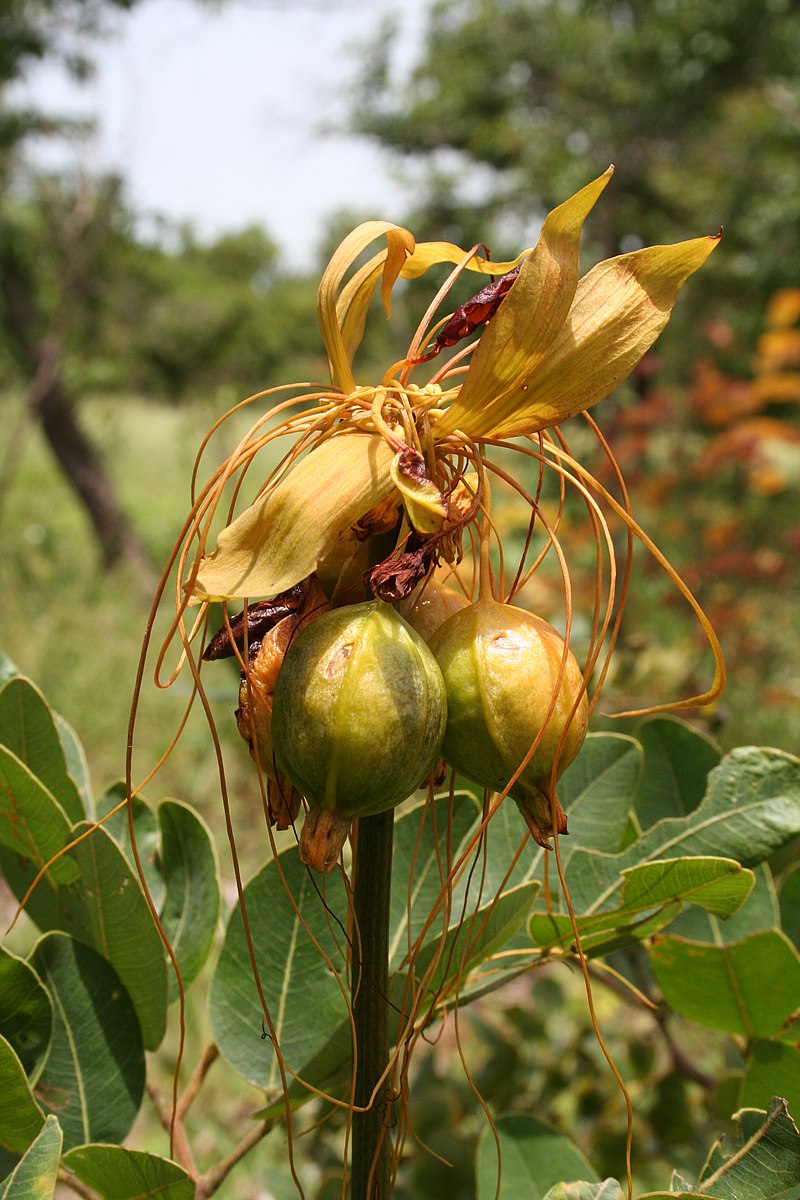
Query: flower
{"points": [[555, 345]]}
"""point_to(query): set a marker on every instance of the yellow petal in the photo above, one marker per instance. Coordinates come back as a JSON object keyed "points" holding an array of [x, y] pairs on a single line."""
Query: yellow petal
{"points": [[422, 499], [620, 307], [331, 315], [430, 254], [529, 319], [281, 538]]}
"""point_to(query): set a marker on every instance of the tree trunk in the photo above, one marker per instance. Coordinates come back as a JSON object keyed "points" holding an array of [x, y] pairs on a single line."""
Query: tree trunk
{"points": [[38, 356]]}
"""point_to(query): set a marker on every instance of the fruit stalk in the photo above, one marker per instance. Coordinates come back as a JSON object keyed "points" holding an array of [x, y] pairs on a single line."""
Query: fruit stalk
{"points": [[371, 1157]]}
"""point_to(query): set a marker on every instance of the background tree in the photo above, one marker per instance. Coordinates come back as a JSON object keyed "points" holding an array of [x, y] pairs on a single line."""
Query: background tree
{"points": [[696, 103], [41, 298]]}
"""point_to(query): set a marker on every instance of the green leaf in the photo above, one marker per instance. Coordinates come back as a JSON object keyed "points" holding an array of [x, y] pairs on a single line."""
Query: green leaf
{"points": [[26, 1014], [105, 908], [32, 822], [748, 988], [677, 760], [609, 1189], [534, 1157], [765, 1164], [28, 731], [114, 918], [596, 791], [77, 765], [177, 855], [684, 1195], [751, 809], [290, 934], [20, 1116], [719, 885], [94, 1074], [119, 1174], [790, 905], [716, 883], [35, 1175], [759, 912], [422, 834], [146, 831], [773, 1068], [191, 906], [472, 941], [601, 934]]}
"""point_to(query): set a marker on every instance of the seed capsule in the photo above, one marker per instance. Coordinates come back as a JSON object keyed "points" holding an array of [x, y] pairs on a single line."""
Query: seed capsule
{"points": [[501, 667], [358, 718]]}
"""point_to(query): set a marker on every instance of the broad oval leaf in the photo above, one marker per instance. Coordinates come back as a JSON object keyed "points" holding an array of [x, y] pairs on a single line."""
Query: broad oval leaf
{"points": [[765, 1163], [790, 905], [677, 761], [609, 1189], [760, 911], [77, 765], [470, 942], [106, 908], [115, 919], [600, 934], [20, 1115], [751, 809], [116, 1173], [720, 885], [94, 1075], [649, 899], [534, 1157], [427, 838], [748, 988], [26, 1014], [35, 1175], [305, 1000], [179, 862], [773, 1068], [190, 910], [145, 831], [28, 730], [598, 789], [33, 824]]}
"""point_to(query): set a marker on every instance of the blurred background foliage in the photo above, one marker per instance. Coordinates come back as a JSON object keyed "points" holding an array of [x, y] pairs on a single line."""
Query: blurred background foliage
{"points": [[119, 348]]}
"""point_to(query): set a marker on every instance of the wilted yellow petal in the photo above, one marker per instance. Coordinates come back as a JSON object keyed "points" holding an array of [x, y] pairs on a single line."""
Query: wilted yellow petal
{"points": [[430, 254], [423, 501], [331, 315], [529, 319], [620, 307], [281, 538]]}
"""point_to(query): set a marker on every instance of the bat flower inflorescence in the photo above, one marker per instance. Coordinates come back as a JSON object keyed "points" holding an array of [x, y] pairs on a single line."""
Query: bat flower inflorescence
{"points": [[382, 499]]}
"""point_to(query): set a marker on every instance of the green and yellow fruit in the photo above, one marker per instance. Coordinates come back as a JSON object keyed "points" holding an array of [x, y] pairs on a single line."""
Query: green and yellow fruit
{"points": [[358, 718], [501, 667]]}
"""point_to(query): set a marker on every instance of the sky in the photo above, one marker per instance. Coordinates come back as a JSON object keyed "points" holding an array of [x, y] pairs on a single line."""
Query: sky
{"points": [[225, 115]]}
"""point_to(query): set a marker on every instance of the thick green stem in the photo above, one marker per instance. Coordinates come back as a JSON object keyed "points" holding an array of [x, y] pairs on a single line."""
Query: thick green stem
{"points": [[371, 1159]]}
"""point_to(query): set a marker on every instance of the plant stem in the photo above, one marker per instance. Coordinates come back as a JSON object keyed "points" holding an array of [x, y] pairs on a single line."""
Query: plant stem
{"points": [[371, 1159]]}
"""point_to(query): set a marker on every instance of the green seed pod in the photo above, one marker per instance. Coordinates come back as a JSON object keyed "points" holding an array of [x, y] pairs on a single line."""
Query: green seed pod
{"points": [[358, 717], [429, 607], [501, 666]]}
